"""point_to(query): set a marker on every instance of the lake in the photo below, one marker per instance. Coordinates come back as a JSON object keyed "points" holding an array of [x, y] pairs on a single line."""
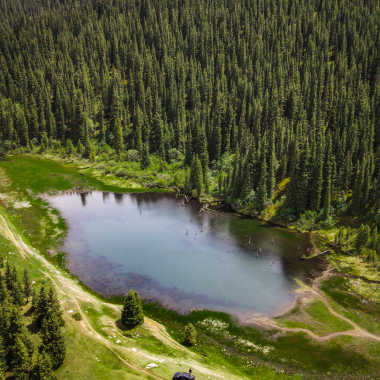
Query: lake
{"points": [[183, 258]]}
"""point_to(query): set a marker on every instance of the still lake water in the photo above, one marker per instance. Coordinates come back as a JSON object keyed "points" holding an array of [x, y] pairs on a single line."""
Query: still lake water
{"points": [[186, 259]]}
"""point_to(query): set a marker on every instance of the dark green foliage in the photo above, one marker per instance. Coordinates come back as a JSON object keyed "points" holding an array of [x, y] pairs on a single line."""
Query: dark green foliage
{"points": [[118, 142], [190, 335], [262, 194], [69, 147], [77, 316], [294, 82], [27, 285], [362, 238], [20, 353], [327, 201], [52, 340], [47, 304], [145, 159], [43, 368], [197, 175], [132, 313], [3, 363]]}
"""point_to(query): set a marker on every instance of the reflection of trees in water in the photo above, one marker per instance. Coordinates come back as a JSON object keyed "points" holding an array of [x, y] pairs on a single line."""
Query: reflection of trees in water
{"points": [[147, 199], [83, 195], [106, 196], [118, 198], [283, 253]]}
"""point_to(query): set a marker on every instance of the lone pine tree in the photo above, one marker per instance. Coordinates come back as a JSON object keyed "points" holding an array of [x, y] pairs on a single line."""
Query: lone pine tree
{"points": [[190, 335], [132, 313]]}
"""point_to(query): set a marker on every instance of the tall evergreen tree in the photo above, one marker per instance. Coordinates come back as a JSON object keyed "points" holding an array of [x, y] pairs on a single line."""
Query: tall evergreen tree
{"points": [[118, 142], [132, 313]]}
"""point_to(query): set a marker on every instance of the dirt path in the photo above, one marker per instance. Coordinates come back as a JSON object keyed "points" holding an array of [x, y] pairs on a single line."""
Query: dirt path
{"points": [[357, 331], [8, 233]]}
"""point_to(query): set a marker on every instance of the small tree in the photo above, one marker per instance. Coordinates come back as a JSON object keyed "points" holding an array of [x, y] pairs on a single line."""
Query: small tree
{"points": [[69, 147], [362, 237], [118, 143], [27, 285], [145, 159], [132, 314], [80, 147], [190, 335], [87, 147]]}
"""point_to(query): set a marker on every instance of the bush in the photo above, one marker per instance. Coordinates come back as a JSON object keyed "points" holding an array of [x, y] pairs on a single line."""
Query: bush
{"points": [[308, 221], [190, 335], [133, 155], [175, 155], [77, 316], [286, 213]]}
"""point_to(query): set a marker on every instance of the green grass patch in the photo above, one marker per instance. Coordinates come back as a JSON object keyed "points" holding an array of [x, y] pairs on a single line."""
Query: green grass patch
{"points": [[313, 315]]}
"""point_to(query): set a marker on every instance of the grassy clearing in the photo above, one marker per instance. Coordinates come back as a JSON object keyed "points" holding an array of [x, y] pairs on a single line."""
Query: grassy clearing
{"points": [[313, 315], [41, 175], [354, 265], [341, 297], [109, 173]]}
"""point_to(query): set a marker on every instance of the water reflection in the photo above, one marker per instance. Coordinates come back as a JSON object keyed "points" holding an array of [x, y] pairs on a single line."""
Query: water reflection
{"points": [[175, 254]]}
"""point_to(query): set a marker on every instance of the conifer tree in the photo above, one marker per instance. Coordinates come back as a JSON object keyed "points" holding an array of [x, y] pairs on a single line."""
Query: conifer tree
{"points": [[21, 360], [27, 285], [52, 340], [80, 147], [3, 363], [317, 181], [101, 127], [40, 306], [132, 313], [145, 159], [327, 200], [87, 144], [118, 142], [190, 335], [53, 307], [271, 180], [262, 195], [362, 238], [69, 147], [197, 175], [43, 367]]}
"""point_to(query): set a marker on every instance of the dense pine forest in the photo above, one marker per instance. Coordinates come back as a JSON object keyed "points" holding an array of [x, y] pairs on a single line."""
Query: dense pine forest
{"points": [[23, 354], [254, 91]]}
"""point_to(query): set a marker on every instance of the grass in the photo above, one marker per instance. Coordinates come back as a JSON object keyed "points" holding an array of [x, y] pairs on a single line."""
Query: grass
{"points": [[339, 292], [44, 175], [313, 315]]}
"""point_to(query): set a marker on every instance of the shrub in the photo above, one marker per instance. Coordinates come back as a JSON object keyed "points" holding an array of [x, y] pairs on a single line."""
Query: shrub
{"points": [[133, 155], [77, 316], [190, 335]]}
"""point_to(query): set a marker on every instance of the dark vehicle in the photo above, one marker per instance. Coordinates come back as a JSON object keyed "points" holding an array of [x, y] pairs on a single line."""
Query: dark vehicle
{"points": [[183, 376]]}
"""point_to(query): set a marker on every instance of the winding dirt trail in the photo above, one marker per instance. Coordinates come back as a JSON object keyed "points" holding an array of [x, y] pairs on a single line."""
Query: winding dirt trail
{"points": [[357, 331]]}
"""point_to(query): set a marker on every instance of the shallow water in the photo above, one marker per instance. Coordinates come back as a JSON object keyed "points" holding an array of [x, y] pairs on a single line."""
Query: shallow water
{"points": [[186, 259]]}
